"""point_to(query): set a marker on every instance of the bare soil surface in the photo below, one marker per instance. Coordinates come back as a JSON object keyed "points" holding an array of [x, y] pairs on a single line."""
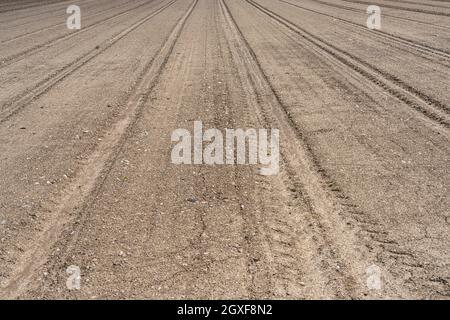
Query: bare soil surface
{"points": [[86, 118]]}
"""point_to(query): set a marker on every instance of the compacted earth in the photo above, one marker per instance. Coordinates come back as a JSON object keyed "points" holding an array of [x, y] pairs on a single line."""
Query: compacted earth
{"points": [[93, 207]]}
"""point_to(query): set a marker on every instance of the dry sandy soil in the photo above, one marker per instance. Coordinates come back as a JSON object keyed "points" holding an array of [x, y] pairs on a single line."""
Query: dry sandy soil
{"points": [[86, 119]]}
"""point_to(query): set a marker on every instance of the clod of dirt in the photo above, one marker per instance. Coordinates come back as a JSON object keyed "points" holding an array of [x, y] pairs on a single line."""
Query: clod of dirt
{"points": [[193, 200]]}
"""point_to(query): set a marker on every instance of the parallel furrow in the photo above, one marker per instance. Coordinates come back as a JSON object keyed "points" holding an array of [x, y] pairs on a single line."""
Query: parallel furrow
{"points": [[24, 99], [59, 24], [426, 105], [326, 200], [335, 5], [42, 46], [422, 48], [38, 14], [3, 10], [422, 4], [367, 224], [297, 161], [436, 13], [100, 163]]}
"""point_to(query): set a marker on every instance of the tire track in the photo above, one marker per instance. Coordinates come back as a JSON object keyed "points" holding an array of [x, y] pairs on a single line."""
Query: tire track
{"points": [[22, 55], [84, 190], [327, 198], [400, 8], [276, 238], [371, 228], [257, 263], [384, 14], [271, 232], [329, 205], [24, 99], [59, 24], [417, 100], [304, 173], [422, 48]]}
